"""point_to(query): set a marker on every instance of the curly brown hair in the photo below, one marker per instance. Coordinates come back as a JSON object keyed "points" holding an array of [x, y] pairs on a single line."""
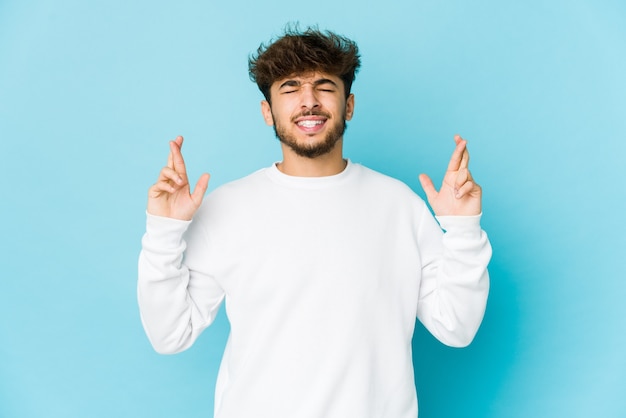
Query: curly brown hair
{"points": [[298, 52]]}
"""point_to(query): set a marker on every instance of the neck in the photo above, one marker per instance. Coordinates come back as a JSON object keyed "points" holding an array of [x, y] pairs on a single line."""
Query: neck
{"points": [[325, 165]]}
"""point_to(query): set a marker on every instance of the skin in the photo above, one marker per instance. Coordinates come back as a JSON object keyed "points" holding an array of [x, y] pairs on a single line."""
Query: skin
{"points": [[459, 194], [171, 195], [320, 100], [300, 98]]}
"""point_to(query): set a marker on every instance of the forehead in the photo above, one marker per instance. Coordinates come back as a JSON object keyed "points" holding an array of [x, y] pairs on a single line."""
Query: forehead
{"points": [[308, 77]]}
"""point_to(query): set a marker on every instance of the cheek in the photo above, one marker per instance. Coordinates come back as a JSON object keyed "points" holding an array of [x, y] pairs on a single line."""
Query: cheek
{"points": [[280, 115]]}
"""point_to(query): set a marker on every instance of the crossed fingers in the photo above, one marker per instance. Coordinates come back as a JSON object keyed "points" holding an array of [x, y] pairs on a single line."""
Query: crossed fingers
{"points": [[459, 162], [174, 175]]}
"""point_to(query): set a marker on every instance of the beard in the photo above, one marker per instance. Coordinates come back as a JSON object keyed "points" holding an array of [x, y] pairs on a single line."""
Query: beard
{"points": [[315, 149]]}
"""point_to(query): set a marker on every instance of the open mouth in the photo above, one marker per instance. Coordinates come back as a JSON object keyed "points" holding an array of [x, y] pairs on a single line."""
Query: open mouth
{"points": [[311, 123]]}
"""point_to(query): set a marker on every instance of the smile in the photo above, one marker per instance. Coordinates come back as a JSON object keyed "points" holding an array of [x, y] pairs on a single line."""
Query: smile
{"points": [[310, 123]]}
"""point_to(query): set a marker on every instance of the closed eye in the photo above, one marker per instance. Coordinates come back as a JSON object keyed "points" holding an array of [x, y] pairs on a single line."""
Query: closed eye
{"points": [[323, 84]]}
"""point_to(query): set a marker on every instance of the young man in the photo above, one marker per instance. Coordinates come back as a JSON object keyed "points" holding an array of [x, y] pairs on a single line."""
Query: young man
{"points": [[323, 264]]}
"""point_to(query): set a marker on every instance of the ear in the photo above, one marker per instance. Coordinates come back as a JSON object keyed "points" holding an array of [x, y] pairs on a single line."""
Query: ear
{"points": [[266, 110], [350, 107]]}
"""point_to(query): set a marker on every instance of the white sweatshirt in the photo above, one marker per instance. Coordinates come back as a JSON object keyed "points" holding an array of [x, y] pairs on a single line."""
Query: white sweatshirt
{"points": [[322, 279]]}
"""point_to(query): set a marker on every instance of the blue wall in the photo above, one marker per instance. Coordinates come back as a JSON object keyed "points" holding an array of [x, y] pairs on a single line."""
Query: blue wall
{"points": [[90, 93]]}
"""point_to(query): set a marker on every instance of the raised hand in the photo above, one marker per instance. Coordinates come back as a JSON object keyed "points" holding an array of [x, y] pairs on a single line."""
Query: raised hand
{"points": [[171, 195], [459, 194]]}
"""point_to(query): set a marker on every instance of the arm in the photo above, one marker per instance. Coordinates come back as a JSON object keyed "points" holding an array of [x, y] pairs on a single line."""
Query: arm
{"points": [[176, 304], [455, 283]]}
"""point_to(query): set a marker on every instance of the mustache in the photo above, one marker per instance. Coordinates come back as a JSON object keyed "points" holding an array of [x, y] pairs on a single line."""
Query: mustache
{"points": [[311, 113]]}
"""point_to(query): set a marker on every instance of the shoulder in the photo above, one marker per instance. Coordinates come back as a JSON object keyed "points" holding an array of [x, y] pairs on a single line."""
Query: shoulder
{"points": [[229, 198], [246, 184], [387, 190], [391, 199], [254, 183], [383, 182]]}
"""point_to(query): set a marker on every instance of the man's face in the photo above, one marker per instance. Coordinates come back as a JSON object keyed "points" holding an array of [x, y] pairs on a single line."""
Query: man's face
{"points": [[309, 112]]}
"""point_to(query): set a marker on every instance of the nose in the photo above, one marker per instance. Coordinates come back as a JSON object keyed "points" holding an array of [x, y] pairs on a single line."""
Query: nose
{"points": [[308, 97]]}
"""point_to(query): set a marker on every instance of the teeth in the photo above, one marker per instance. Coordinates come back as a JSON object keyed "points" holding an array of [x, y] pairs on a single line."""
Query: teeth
{"points": [[310, 123]]}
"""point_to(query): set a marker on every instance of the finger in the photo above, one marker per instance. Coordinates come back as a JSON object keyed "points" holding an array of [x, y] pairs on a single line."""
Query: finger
{"points": [[457, 155], [168, 173], [170, 158], [159, 188], [428, 186], [177, 160], [200, 189], [465, 156], [462, 177], [465, 189]]}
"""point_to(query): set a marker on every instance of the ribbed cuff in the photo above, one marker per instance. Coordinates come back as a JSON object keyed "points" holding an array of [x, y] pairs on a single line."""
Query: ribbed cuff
{"points": [[460, 224], [165, 232]]}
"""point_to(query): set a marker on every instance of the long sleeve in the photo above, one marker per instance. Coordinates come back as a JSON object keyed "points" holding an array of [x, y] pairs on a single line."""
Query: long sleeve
{"points": [[175, 304], [323, 278], [455, 281]]}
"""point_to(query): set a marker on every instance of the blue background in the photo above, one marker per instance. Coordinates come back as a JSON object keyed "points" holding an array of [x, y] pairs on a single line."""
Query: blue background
{"points": [[90, 93]]}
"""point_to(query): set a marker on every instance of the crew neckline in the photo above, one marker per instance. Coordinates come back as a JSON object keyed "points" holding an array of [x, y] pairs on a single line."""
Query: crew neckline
{"points": [[279, 177]]}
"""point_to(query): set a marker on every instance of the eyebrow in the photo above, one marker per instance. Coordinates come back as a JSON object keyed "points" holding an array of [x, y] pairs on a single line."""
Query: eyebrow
{"points": [[296, 83]]}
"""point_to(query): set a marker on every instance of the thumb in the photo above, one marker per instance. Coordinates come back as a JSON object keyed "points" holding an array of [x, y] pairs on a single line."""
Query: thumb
{"points": [[200, 189], [428, 186]]}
